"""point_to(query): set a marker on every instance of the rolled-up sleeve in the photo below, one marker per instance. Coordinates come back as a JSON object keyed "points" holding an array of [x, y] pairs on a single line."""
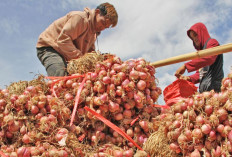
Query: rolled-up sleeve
{"points": [[195, 77]]}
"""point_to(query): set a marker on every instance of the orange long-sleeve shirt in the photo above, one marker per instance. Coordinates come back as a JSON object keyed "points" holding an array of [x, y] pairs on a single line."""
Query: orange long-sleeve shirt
{"points": [[72, 35]]}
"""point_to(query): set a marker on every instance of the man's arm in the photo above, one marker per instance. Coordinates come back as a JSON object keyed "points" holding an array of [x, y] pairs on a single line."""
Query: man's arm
{"points": [[196, 64], [72, 29]]}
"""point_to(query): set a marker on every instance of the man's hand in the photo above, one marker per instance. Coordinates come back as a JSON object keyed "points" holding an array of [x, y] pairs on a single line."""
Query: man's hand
{"points": [[180, 71], [187, 78]]}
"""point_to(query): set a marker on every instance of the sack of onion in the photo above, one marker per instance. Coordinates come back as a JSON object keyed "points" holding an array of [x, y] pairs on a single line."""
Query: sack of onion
{"points": [[47, 117], [200, 125]]}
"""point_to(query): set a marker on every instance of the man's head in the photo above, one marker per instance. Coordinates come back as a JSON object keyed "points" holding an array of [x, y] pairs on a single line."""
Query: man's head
{"points": [[194, 37], [198, 33], [106, 16]]}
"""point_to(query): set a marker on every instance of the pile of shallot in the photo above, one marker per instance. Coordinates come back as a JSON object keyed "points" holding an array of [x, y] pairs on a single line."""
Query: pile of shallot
{"points": [[202, 124], [37, 122]]}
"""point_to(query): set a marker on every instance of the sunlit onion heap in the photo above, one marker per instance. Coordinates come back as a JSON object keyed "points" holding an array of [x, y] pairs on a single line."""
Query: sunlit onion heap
{"points": [[200, 125], [36, 122]]}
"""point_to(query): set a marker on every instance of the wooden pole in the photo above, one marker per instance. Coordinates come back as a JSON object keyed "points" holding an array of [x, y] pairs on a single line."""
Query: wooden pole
{"points": [[193, 55]]}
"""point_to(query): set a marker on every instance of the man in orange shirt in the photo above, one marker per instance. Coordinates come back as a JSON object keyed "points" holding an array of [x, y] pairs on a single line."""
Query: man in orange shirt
{"points": [[73, 35]]}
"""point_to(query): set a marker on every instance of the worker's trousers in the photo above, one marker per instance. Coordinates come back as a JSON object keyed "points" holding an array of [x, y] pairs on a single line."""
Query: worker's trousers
{"points": [[53, 62]]}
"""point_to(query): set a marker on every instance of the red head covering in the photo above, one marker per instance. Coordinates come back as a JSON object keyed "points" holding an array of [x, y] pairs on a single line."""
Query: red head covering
{"points": [[202, 32]]}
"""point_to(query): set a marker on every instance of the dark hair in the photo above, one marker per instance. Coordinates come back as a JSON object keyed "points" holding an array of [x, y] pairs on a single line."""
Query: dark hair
{"points": [[102, 9]]}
